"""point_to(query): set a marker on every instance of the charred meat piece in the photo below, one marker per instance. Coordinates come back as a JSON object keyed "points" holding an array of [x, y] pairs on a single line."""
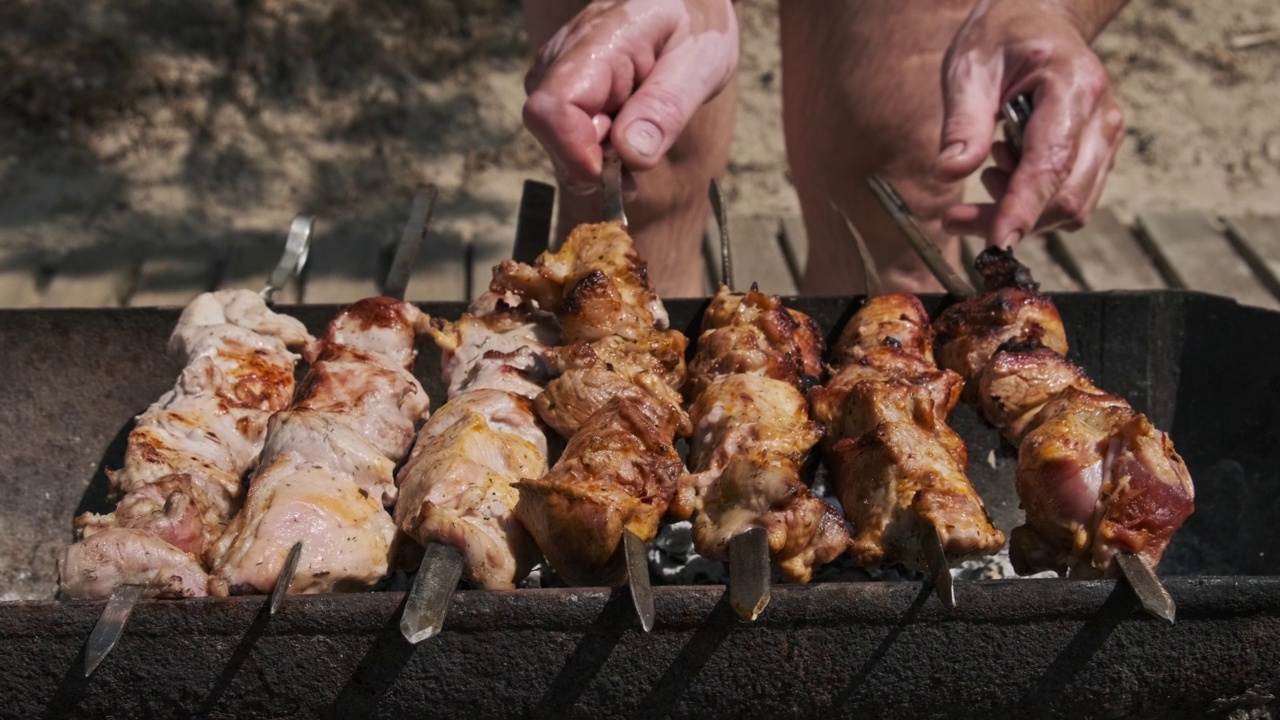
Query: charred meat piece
{"points": [[184, 461], [1094, 476], [898, 468], [458, 487], [616, 400], [1011, 310], [325, 473], [752, 435]]}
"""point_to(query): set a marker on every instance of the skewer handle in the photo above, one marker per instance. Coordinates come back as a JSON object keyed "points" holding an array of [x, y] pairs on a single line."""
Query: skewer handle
{"points": [[750, 582], [110, 625], [637, 559], [433, 588], [721, 210], [294, 258]]}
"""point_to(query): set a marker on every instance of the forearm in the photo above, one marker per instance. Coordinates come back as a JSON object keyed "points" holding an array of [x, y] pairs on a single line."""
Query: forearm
{"points": [[1091, 16]]}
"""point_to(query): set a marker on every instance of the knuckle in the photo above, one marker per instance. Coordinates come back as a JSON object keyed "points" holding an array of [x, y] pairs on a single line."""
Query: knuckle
{"points": [[1113, 122]]}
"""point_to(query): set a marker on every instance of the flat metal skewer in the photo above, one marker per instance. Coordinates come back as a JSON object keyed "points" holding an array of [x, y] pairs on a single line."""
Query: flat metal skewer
{"points": [[637, 559], [441, 568], [930, 541], [611, 180], [110, 625], [920, 242], [720, 209], [115, 615], [285, 578], [1151, 593]]}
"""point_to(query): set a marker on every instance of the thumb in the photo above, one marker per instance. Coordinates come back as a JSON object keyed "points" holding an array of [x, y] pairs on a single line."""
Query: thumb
{"points": [[657, 112], [971, 101]]}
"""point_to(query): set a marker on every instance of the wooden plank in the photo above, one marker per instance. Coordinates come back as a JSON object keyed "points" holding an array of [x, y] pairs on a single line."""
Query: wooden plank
{"points": [[482, 255], [440, 270], [248, 266], [20, 273], [342, 270], [795, 245], [1257, 239], [175, 276], [1034, 253], [1106, 255], [1193, 254], [96, 276], [757, 256]]}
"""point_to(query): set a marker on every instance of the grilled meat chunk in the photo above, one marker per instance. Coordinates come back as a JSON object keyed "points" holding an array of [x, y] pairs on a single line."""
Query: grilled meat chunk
{"points": [[458, 487], [616, 399], [326, 467], [1094, 476], [618, 472], [898, 468], [184, 460]]}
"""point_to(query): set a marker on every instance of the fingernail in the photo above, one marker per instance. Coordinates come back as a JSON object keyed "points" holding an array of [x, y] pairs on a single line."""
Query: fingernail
{"points": [[644, 137], [951, 152], [1011, 240]]}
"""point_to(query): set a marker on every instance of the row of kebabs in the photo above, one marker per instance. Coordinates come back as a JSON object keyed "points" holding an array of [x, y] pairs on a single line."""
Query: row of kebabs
{"points": [[577, 346]]}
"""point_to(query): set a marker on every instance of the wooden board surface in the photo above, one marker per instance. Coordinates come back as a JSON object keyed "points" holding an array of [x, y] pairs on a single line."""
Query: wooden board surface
{"points": [[96, 276], [20, 273], [175, 276], [758, 257], [1257, 239], [343, 270], [1106, 255], [440, 270], [1193, 253]]}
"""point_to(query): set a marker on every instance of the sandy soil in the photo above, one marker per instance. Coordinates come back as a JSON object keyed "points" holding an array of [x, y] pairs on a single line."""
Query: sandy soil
{"points": [[169, 121]]}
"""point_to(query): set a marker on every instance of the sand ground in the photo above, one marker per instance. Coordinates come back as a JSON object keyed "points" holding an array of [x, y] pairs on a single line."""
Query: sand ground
{"points": [[162, 121]]}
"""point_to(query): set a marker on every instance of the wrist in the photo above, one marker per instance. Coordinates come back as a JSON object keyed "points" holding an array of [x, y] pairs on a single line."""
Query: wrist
{"points": [[1088, 17]]}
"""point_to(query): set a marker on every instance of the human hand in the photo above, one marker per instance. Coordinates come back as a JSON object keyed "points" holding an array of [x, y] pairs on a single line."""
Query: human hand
{"points": [[1040, 48], [631, 71]]}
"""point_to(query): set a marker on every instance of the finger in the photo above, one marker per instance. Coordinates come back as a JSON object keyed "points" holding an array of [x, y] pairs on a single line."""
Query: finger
{"points": [[971, 98], [1064, 104], [1071, 206], [653, 118]]}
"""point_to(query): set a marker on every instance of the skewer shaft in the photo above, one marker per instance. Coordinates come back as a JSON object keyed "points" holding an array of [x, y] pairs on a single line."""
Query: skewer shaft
{"points": [[424, 201], [285, 579], [720, 209], [433, 588], [110, 625], [1151, 593], [294, 258], [750, 582], [637, 560], [938, 568], [919, 241], [611, 184]]}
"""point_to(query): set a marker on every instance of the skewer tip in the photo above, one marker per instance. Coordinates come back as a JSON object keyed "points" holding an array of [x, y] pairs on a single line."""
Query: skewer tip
{"points": [[285, 579], [936, 557], [1151, 592], [110, 625], [637, 562], [433, 587], [750, 583]]}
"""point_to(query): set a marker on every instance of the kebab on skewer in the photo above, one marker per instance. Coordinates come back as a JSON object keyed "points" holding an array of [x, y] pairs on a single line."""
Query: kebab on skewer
{"points": [[752, 436], [897, 467], [1097, 480], [458, 486], [616, 400], [184, 461]]}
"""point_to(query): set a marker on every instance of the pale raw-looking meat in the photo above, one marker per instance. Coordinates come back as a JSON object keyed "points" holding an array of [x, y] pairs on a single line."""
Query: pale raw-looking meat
{"points": [[325, 473], [184, 460], [458, 487]]}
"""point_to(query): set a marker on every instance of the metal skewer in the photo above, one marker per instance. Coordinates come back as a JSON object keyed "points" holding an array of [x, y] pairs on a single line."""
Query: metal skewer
{"points": [[750, 579], [1142, 578], [920, 242], [110, 626], [720, 209], [930, 541], [611, 180], [285, 578]]}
